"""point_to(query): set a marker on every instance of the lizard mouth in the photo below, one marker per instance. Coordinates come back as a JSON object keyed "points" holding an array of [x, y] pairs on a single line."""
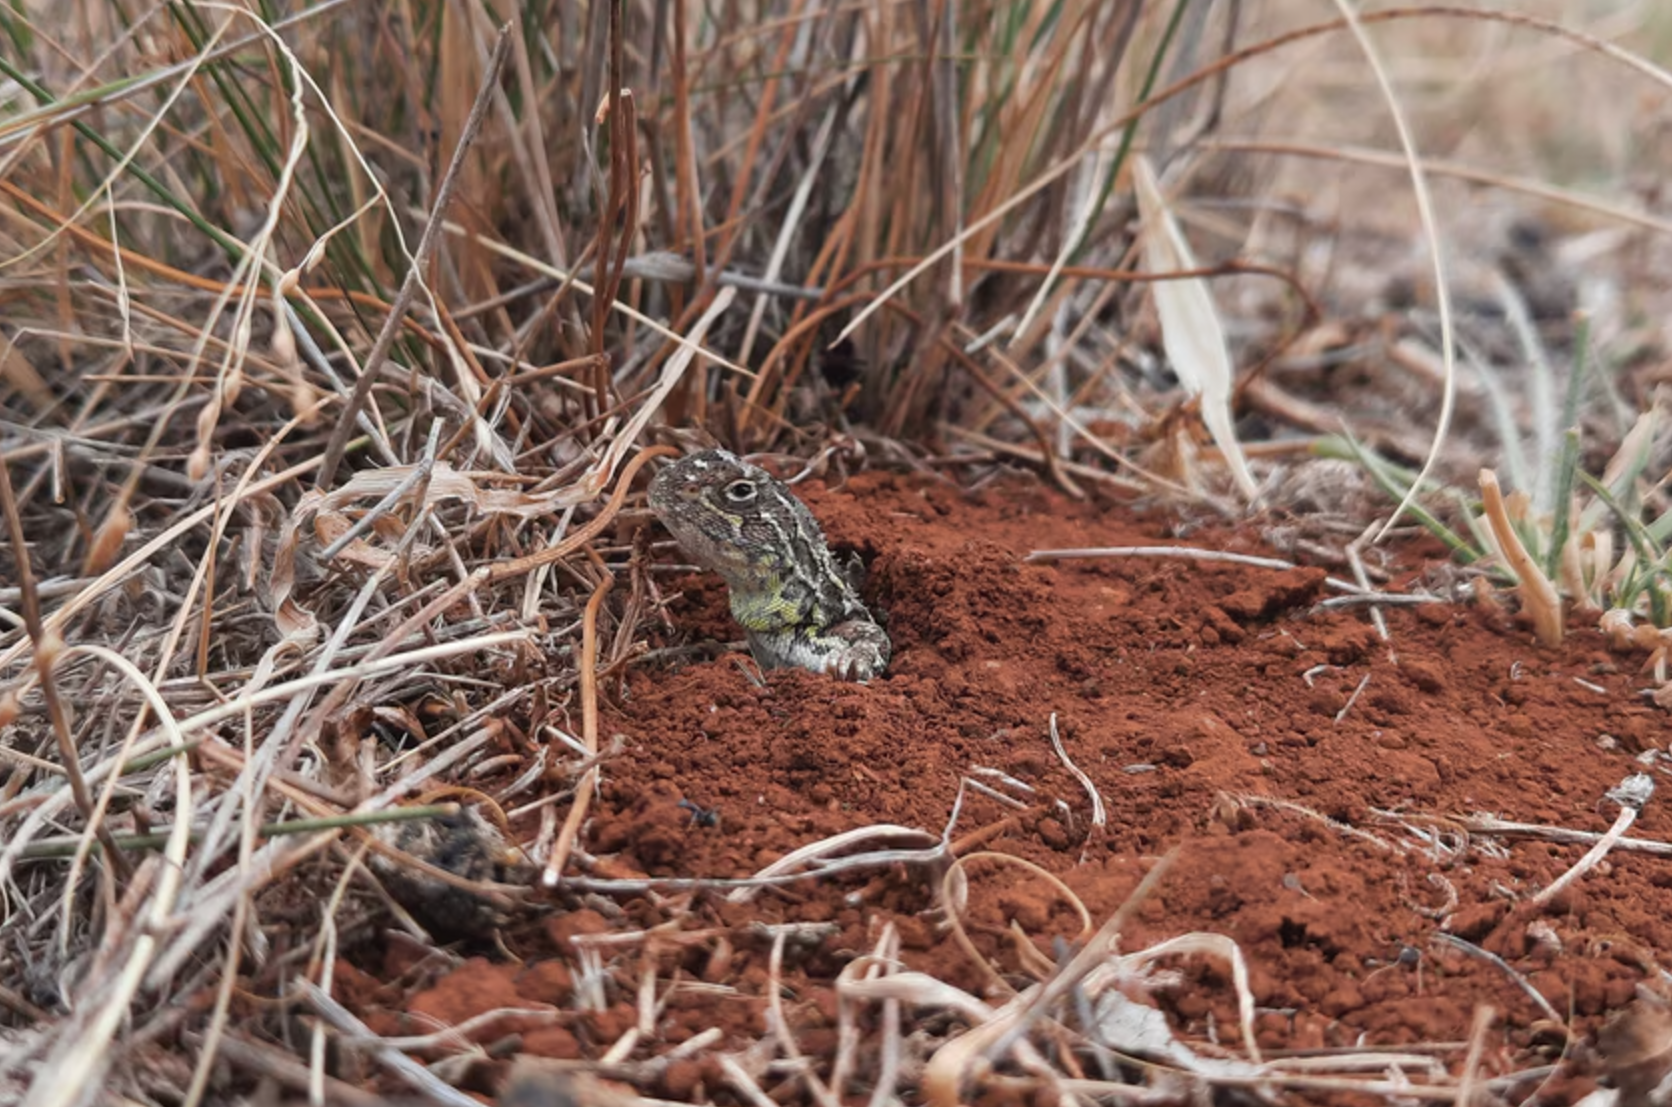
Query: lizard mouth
{"points": [[738, 568]]}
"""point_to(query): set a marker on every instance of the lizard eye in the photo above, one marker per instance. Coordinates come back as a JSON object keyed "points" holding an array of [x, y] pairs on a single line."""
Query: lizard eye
{"points": [[740, 492]]}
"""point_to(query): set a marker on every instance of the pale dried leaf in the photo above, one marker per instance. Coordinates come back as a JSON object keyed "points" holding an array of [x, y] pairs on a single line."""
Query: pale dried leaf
{"points": [[690, 345], [1191, 332], [1128, 1026], [481, 490], [1107, 977], [1634, 448], [1636, 1050]]}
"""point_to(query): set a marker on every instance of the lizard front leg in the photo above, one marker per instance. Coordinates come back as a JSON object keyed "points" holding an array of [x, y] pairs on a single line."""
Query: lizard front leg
{"points": [[857, 649]]}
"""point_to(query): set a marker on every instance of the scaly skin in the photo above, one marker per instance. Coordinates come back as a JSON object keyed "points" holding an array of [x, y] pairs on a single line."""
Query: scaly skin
{"points": [[797, 607]]}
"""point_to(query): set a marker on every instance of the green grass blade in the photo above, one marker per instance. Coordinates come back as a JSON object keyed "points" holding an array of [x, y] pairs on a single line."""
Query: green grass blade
{"points": [[1581, 365], [1651, 555], [1561, 498], [17, 29], [1661, 529], [1386, 476], [161, 191]]}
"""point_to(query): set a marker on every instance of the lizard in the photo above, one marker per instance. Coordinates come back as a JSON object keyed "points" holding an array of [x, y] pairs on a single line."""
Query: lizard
{"points": [[797, 607]]}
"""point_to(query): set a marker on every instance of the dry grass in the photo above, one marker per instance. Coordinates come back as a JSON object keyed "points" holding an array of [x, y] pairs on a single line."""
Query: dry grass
{"points": [[333, 336]]}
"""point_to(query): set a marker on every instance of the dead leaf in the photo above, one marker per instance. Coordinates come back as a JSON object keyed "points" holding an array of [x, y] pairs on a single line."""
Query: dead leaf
{"points": [[1191, 332], [1636, 1050]]}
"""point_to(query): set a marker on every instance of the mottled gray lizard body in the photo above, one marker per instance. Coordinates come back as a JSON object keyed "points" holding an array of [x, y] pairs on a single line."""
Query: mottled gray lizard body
{"points": [[796, 604]]}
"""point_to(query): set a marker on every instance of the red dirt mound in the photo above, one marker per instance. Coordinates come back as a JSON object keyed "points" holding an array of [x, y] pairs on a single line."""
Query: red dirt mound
{"points": [[1312, 779]]}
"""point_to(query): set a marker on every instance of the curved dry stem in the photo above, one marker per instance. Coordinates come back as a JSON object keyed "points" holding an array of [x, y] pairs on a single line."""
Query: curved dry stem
{"points": [[589, 726], [950, 896], [1538, 595], [1431, 232], [80, 1059]]}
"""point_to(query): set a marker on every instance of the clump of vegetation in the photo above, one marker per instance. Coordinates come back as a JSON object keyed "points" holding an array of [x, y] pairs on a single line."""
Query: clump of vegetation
{"points": [[1597, 544]]}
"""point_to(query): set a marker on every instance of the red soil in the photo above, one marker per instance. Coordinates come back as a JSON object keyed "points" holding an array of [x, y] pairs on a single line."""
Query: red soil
{"points": [[1191, 694]]}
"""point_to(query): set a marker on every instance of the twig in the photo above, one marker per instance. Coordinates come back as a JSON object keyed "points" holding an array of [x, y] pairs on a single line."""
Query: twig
{"points": [[1035, 458], [1355, 559], [1099, 817], [408, 660], [882, 960], [1184, 553], [1489, 824], [1252, 800], [780, 1024], [1436, 258], [409, 1070], [877, 860], [48, 649], [997, 1032], [270, 1062], [954, 897], [978, 838], [42, 848], [995, 794], [743, 1083], [589, 728], [143, 554], [517, 566], [80, 1059], [454, 1036], [1380, 599], [812, 854], [419, 473], [778, 873], [661, 266], [1631, 794], [1352, 699], [892, 1050], [420, 261], [1468, 1083], [1520, 981], [47, 589], [1090, 956]]}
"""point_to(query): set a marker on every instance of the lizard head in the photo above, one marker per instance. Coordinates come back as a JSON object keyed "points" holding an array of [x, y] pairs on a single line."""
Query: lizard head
{"points": [[727, 514]]}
